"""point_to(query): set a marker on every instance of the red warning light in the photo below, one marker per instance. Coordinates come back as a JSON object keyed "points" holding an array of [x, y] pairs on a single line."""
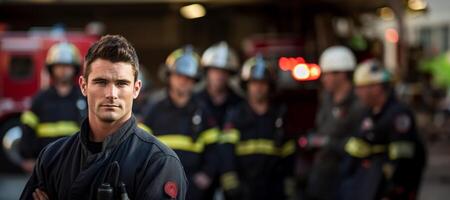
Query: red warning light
{"points": [[301, 72], [306, 72], [287, 64], [391, 35], [300, 60], [314, 71], [303, 142], [283, 62]]}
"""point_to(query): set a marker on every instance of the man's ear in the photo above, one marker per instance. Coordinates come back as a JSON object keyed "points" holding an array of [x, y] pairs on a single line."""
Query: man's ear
{"points": [[137, 88], [83, 84]]}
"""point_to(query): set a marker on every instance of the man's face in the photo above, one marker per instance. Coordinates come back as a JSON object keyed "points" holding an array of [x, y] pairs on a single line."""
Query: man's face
{"points": [[217, 79], [258, 90], [330, 80], [110, 90], [182, 85], [368, 93], [63, 73]]}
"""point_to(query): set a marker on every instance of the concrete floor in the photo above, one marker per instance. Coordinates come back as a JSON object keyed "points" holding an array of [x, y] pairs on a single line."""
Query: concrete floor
{"points": [[436, 182], [11, 186]]}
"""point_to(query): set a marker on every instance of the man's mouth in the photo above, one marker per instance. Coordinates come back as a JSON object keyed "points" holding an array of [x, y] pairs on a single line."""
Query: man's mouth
{"points": [[109, 106]]}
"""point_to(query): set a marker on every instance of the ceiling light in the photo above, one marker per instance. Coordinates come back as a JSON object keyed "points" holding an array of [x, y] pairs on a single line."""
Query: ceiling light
{"points": [[192, 11]]}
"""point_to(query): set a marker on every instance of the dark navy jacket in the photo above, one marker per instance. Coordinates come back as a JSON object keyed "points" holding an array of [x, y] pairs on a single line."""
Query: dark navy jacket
{"points": [[67, 169]]}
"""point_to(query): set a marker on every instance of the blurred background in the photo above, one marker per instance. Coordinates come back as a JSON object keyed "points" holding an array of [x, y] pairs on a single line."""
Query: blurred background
{"points": [[411, 37]]}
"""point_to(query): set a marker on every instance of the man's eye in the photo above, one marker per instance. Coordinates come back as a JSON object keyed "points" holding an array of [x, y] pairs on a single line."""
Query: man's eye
{"points": [[122, 83], [100, 82]]}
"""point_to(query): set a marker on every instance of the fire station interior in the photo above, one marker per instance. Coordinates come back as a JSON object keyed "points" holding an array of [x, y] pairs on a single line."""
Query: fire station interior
{"points": [[279, 29]]}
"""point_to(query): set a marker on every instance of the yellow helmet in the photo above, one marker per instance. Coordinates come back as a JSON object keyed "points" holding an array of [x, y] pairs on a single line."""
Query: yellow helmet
{"points": [[63, 53], [371, 72]]}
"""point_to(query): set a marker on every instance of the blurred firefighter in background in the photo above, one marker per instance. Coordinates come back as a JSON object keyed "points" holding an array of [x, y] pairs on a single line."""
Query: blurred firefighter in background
{"points": [[220, 62], [178, 121], [258, 151], [386, 157], [57, 111], [339, 115]]}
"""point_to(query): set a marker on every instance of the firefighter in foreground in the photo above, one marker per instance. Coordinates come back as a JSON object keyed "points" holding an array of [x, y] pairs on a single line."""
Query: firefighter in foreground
{"points": [[56, 111], [110, 158], [386, 157], [339, 115], [258, 150], [177, 119]]}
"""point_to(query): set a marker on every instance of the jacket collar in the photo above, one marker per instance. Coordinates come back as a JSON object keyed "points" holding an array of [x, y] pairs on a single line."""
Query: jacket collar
{"points": [[190, 105], [112, 140]]}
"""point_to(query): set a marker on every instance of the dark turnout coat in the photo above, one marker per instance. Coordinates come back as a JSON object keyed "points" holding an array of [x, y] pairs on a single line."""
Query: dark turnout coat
{"points": [[67, 169]]}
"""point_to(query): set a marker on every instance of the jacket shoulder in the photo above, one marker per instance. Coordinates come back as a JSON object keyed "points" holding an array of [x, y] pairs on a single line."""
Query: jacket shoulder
{"points": [[54, 150], [154, 101], [151, 141], [41, 97]]}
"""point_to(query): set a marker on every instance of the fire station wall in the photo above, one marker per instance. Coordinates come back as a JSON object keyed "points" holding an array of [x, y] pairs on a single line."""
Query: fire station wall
{"points": [[155, 30]]}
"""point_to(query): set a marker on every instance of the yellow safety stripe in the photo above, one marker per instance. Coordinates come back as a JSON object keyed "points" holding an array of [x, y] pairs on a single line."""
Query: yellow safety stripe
{"points": [[209, 136], [145, 128], [265, 147], [56, 129], [186, 143], [257, 146], [378, 148], [230, 136], [181, 142], [288, 148], [30, 119], [359, 148], [401, 149], [229, 181]]}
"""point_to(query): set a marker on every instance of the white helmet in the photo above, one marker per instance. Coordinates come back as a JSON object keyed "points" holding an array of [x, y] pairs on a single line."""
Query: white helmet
{"points": [[220, 56], [371, 72], [63, 53], [337, 59]]}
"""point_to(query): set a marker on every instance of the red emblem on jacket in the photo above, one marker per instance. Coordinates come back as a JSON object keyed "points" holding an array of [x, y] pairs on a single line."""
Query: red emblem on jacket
{"points": [[170, 188]]}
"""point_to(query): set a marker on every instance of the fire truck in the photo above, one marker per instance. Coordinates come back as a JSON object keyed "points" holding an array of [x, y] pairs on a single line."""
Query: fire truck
{"points": [[22, 75]]}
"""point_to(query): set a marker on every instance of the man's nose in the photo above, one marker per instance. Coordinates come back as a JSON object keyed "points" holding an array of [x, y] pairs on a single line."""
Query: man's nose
{"points": [[112, 92], [184, 79]]}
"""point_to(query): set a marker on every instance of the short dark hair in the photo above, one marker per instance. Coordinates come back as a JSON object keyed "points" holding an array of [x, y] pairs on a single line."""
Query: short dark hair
{"points": [[114, 48]]}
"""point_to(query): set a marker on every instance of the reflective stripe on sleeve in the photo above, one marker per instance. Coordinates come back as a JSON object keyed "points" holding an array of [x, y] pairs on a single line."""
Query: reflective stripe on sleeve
{"points": [[229, 181], [264, 147], [401, 149], [181, 142], [56, 129], [30, 119], [359, 148], [229, 136], [186, 143], [145, 128]]}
